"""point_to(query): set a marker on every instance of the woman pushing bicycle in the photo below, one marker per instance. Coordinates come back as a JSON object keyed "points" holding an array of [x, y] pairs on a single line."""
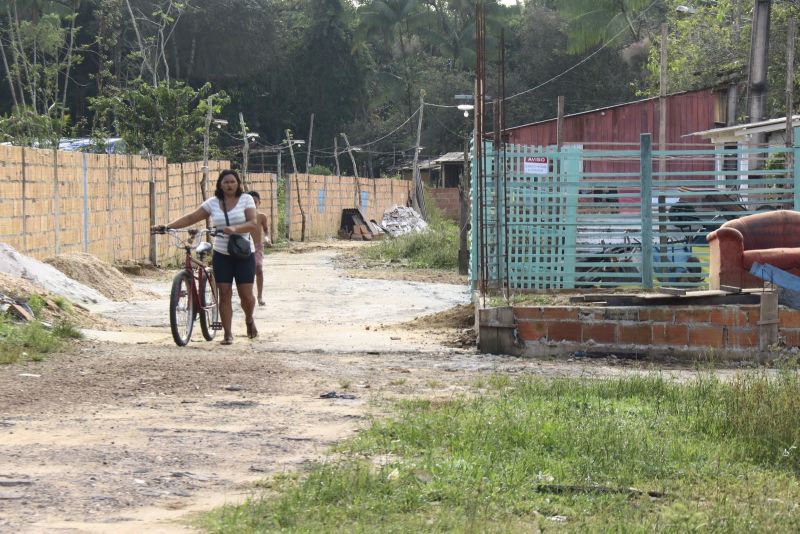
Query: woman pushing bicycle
{"points": [[232, 213]]}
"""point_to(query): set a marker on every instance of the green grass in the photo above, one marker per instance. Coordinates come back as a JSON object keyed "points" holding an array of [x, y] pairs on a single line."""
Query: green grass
{"points": [[724, 455], [437, 248], [31, 341]]}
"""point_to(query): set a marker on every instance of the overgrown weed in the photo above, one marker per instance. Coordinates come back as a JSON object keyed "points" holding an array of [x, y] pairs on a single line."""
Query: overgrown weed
{"points": [[722, 453], [435, 248], [31, 340]]}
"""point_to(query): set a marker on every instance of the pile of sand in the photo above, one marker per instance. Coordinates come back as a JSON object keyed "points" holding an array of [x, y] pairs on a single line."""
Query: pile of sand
{"points": [[46, 276], [97, 274]]}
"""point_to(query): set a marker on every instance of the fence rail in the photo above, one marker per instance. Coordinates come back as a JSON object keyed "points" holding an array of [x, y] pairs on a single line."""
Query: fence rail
{"points": [[580, 218]]}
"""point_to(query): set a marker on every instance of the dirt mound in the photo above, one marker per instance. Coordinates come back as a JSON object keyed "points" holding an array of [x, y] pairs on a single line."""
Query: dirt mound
{"points": [[95, 273], [458, 317]]}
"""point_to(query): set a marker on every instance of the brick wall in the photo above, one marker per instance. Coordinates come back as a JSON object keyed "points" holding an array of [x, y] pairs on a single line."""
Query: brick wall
{"points": [[55, 202], [323, 198], [722, 329], [446, 199]]}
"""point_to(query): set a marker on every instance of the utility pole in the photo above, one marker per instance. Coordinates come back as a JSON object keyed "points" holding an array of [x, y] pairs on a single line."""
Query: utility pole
{"points": [[308, 146], [297, 185], [245, 151], [355, 170], [206, 135], [336, 156], [757, 79], [417, 198]]}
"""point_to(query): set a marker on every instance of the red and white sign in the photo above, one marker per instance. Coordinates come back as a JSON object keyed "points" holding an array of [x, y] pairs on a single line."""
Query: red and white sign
{"points": [[536, 165]]}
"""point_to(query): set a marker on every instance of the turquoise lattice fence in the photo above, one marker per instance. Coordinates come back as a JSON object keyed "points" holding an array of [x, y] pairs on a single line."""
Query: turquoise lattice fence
{"points": [[627, 216]]}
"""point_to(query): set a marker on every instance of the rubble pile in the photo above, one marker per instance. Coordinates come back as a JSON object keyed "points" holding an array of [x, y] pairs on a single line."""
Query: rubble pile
{"points": [[400, 220]]}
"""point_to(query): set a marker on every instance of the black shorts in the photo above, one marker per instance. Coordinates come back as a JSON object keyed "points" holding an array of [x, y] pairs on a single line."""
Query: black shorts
{"points": [[227, 268]]}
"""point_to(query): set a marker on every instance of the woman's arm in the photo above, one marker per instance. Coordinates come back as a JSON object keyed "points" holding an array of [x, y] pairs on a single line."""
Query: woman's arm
{"points": [[200, 214]]}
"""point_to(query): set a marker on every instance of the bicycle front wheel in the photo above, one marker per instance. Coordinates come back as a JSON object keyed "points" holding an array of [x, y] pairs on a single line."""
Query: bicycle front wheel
{"points": [[181, 308], [209, 314]]}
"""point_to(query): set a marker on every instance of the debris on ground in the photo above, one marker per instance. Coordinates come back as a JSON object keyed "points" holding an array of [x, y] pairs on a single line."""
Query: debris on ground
{"points": [[461, 316], [97, 274], [48, 277], [401, 220], [355, 226], [19, 291], [335, 395]]}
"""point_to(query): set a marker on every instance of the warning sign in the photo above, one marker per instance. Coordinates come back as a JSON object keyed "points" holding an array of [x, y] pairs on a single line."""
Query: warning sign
{"points": [[536, 165]]}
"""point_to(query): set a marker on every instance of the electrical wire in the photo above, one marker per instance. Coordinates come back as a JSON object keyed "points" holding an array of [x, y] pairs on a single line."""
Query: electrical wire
{"points": [[584, 60]]}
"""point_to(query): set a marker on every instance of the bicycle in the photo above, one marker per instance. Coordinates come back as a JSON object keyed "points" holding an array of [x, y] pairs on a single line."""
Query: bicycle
{"points": [[194, 290]]}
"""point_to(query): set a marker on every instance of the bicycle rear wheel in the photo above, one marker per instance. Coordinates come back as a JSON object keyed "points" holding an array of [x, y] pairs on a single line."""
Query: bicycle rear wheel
{"points": [[181, 308], [209, 314]]}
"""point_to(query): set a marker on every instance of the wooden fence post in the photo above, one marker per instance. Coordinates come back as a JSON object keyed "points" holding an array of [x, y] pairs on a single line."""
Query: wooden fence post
{"points": [[57, 204], [152, 219], [24, 205]]}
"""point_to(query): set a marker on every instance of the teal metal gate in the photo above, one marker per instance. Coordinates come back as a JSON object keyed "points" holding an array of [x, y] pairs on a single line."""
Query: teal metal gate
{"points": [[582, 217]]}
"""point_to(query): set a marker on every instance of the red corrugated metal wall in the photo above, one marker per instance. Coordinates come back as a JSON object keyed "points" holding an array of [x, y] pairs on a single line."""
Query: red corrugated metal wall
{"points": [[688, 112], [619, 128]]}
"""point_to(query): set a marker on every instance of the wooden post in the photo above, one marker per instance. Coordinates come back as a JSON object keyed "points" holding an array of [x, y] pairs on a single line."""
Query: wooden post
{"points": [[112, 250], [245, 151], [24, 205], [417, 199], [152, 196], [336, 156], [206, 136], [560, 123], [463, 213], [355, 172], [297, 186], [768, 320], [308, 146], [133, 208], [57, 204]]}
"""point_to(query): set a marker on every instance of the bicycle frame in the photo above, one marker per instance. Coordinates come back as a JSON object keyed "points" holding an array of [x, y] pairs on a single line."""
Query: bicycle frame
{"points": [[190, 264]]}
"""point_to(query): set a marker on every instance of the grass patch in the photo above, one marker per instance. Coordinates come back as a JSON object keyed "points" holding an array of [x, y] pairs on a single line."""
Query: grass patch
{"points": [[436, 248], [31, 341], [724, 454]]}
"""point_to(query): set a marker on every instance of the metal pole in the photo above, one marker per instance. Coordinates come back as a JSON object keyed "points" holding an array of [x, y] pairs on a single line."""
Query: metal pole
{"points": [[646, 164]]}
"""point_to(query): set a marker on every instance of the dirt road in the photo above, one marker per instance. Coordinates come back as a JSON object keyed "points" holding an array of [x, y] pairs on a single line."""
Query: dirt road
{"points": [[129, 433]]}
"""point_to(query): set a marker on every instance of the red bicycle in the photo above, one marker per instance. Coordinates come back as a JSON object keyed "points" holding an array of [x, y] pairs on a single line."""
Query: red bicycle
{"points": [[194, 290]]}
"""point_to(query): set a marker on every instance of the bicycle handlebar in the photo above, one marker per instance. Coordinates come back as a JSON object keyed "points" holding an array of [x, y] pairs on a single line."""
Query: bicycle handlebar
{"points": [[162, 229]]}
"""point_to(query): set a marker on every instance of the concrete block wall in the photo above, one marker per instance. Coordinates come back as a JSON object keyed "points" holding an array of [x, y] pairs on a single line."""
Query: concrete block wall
{"points": [[446, 199], [726, 331]]}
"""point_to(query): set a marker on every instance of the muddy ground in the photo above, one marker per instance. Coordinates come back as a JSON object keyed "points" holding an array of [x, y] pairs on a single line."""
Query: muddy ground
{"points": [[126, 432]]}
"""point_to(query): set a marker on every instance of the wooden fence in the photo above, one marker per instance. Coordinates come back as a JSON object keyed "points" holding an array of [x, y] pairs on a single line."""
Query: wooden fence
{"points": [[57, 202]]}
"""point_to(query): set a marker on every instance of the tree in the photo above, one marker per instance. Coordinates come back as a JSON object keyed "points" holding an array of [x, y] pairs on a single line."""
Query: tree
{"points": [[37, 49], [166, 119]]}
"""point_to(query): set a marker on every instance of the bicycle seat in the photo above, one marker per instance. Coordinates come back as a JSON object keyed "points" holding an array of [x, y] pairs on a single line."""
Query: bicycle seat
{"points": [[203, 247]]}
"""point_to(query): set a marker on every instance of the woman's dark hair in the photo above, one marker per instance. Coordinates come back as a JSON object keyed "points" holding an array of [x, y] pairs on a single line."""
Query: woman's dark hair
{"points": [[218, 191]]}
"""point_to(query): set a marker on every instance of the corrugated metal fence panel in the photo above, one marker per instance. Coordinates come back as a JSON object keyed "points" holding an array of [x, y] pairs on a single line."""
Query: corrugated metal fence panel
{"points": [[558, 220]]}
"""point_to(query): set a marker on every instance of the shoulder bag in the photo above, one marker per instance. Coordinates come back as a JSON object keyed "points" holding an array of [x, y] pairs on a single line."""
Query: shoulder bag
{"points": [[238, 246]]}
